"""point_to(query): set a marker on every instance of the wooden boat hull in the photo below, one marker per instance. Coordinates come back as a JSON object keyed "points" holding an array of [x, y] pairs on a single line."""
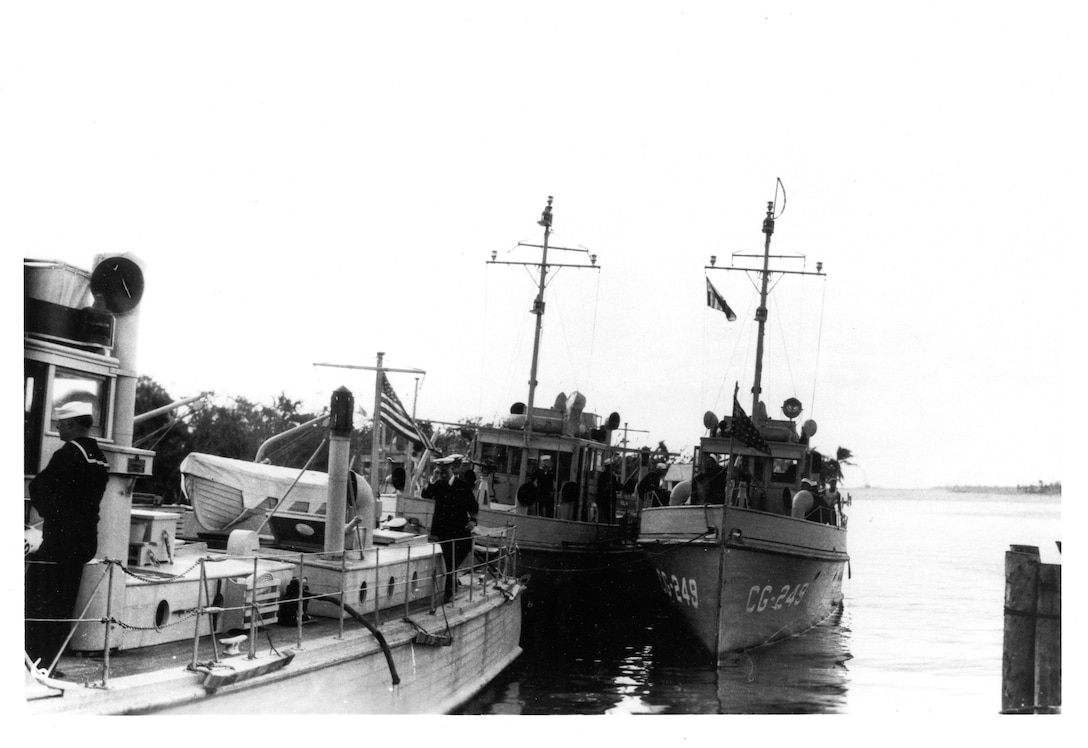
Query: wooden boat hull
{"points": [[743, 578], [329, 674], [557, 553]]}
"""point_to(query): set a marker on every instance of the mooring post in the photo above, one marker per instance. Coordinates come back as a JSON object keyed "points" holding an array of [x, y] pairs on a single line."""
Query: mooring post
{"points": [[1018, 651], [1048, 639]]}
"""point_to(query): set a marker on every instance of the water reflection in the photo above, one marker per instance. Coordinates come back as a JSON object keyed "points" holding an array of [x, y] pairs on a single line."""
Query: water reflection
{"points": [[597, 660]]}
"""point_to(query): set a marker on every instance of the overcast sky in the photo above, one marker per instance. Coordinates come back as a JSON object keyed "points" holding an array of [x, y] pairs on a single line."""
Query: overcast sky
{"points": [[319, 182]]}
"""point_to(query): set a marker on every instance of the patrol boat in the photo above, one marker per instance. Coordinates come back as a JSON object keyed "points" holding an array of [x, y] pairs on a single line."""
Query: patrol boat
{"points": [[734, 553], [540, 473], [166, 626]]}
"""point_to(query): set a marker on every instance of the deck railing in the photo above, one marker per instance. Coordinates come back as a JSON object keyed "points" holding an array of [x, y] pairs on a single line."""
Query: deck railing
{"points": [[498, 564]]}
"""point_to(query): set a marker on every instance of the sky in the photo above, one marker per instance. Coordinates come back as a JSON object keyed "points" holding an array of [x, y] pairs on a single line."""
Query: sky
{"points": [[311, 183]]}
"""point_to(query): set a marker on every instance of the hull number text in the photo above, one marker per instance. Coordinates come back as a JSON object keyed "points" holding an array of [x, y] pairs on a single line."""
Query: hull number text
{"points": [[683, 591], [762, 598]]}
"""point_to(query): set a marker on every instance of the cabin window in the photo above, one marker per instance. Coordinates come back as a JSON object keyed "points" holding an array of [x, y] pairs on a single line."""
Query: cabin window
{"points": [[759, 470], [70, 386], [564, 473], [299, 506], [496, 454], [514, 465], [784, 471]]}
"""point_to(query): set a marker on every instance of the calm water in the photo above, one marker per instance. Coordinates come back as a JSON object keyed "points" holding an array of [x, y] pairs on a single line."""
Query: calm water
{"points": [[920, 630]]}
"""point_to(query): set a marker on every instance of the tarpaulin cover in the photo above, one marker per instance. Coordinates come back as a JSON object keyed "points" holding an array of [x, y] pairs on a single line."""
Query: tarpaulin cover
{"points": [[258, 482]]}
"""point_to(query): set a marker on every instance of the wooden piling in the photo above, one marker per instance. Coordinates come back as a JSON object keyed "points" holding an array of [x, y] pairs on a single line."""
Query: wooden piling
{"points": [[1018, 652], [1031, 661], [1048, 640]]}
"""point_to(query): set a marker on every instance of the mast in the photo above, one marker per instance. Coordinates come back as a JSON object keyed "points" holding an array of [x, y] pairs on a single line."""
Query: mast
{"points": [[376, 418], [538, 310], [761, 312]]}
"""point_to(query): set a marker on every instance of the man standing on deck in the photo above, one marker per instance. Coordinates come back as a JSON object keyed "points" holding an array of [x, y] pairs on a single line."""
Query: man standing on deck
{"points": [[66, 495], [455, 509]]}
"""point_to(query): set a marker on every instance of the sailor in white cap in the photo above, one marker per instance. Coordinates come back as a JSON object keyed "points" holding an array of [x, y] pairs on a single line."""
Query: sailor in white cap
{"points": [[66, 495]]}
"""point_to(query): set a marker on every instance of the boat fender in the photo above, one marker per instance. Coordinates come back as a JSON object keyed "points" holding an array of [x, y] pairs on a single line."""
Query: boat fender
{"points": [[288, 610], [569, 492], [710, 421], [400, 478]]}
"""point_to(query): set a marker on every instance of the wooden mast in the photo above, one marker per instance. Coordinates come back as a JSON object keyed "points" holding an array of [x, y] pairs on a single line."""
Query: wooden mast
{"points": [[375, 456], [538, 310], [761, 312]]}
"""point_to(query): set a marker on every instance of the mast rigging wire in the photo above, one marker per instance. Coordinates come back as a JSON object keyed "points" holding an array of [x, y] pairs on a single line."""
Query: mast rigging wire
{"points": [[819, 341]]}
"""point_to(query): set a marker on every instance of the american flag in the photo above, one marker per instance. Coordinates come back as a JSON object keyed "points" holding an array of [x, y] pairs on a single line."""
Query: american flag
{"points": [[715, 300], [743, 428], [396, 417]]}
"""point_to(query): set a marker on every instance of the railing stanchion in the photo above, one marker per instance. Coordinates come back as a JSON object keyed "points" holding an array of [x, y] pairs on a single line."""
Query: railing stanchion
{"points": [[301, 585], [106, 635], [377, 585], [254, 614], [434, 577], [407, 581], [471, 564], [199, 613]]}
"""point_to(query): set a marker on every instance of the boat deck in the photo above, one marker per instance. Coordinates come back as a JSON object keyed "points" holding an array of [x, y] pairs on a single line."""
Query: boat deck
{"points": [[88, 667]]}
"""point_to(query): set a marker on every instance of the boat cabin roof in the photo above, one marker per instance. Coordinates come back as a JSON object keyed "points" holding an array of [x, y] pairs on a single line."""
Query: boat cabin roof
{"points": [[547, 442], [720, 445]]}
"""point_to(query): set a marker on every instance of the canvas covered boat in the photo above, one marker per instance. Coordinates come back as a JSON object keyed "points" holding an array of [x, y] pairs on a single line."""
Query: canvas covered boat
{"points": [[228, 494]]}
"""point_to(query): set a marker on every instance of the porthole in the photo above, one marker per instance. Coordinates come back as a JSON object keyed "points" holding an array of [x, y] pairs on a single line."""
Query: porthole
{"points": [[391, 587], [362, 593], [162, 614]]}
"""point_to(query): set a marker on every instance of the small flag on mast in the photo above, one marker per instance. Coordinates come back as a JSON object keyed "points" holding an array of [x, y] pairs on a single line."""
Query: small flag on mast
{"points": [[715, 300], [396, 417]]}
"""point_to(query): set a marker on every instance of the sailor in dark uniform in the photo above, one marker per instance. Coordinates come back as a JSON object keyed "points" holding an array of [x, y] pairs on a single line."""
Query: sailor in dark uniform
{"points": [[455, 509], [66, 495]]}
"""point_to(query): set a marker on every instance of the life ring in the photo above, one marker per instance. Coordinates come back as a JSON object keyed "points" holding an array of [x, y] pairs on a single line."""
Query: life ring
{"points": [[526, 494], [569, 492]]}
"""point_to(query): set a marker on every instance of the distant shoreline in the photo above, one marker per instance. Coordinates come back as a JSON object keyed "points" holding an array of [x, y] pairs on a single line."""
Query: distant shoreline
{"points": [[1041, 489]]}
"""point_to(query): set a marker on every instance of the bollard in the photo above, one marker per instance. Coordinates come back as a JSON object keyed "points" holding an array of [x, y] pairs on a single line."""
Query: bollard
{"points": [[1048, 640], [1018, 651]]}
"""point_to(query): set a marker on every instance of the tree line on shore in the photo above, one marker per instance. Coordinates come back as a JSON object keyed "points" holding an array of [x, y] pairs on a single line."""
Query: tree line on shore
{"points": [[1030, 488], [236, 427]]}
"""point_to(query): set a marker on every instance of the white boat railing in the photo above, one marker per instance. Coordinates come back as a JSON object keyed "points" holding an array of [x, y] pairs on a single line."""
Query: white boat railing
{"points": [[499, 566]]}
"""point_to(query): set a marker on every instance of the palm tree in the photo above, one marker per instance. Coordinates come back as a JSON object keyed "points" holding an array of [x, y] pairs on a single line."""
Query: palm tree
{"points": [[831, 470]]}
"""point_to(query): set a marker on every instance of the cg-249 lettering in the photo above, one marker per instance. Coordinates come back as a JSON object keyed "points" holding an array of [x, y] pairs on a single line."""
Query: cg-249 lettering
{"points": [[762, 598], [683, 590]]}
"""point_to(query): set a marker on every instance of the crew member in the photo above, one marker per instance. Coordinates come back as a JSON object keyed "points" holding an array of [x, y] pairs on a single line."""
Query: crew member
{"points": [[455, 509], [834, 498], [66, 495]]}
